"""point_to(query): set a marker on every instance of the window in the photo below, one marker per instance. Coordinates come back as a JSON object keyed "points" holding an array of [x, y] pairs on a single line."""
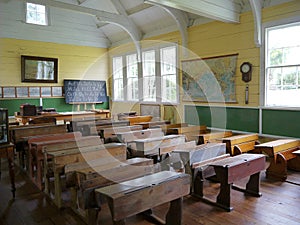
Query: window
{"points": [[282, 65], [168, 74], [36, 14], [158, 76], [118, 78], [132, 78], [149, 78]]}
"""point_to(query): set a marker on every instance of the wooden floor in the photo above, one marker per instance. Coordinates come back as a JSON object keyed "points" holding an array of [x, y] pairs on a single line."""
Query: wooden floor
{"points": [[279, 204]]}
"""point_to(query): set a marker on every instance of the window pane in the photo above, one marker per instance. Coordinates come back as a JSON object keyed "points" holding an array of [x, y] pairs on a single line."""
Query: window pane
{"points": [[168, 73], [36, 14], [118, 78], [132, 89], [132, 68], [149, 85], [282, 68]]}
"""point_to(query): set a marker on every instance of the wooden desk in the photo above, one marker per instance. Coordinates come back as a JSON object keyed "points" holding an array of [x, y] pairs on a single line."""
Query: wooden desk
{"points": [[232, 169], [141, 194], [66, 116], [239, 144], [282, 157], [7, 151]]}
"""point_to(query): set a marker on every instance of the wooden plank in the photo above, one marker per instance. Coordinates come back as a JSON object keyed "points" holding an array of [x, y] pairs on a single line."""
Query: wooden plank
{"points": [[170, 148], [110, 132], [273, 147], [126, 137], [138, 119], [213, 136], [237, 139], [183, 130], [135, 196], [150, 146], [152, 124]]}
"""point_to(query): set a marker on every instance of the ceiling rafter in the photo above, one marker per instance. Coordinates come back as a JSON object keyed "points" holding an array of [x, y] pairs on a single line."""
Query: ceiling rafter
{"points": [[222, 10]]}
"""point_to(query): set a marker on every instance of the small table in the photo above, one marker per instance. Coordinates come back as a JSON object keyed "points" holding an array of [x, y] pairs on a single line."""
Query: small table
{"points": [[7, 151]]}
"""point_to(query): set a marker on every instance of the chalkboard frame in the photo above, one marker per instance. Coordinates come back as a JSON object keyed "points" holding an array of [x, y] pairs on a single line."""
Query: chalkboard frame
{"points": [[70, 85]]}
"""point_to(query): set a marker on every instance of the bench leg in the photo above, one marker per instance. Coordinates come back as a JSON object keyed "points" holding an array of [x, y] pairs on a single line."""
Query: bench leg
{"points": [[57, 190], [252, 187], [198, 184], [278, 168], [223, 198], [110, 205], [174, 214]]}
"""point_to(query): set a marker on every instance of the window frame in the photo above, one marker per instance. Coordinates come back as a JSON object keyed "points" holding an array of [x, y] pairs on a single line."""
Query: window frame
{"points": [[47, 15], [140, 76], [264, 58]]}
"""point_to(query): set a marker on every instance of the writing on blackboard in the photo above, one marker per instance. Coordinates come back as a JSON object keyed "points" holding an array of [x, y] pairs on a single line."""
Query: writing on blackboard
{"points": [[85, 91]]}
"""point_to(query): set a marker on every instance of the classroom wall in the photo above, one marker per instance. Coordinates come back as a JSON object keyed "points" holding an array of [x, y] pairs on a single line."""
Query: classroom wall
{"points": [[215, 39], [74, 62]]}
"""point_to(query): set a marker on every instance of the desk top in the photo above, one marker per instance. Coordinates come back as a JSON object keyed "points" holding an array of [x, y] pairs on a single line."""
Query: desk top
{"points": [[236, 160], [140, 183]]}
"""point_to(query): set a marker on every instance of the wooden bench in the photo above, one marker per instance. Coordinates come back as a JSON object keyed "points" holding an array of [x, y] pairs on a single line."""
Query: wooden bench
{"points": [[282, 157], [93, 127], [165, 128], [149, 147], [59, 159], [213, 137], [152, 124], [109, 133], [229, 170], [19, 136], [35, 156], [138, 119], [128, 138], [142, 194], [239, 144], [199, 153], [190, 132], [84, 177]]}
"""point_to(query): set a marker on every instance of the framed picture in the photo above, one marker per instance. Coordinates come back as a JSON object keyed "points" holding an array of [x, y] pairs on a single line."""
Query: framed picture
{"points": [[38, 69]]}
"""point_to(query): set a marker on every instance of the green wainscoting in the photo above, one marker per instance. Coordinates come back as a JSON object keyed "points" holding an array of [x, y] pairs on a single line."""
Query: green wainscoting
{"points": [[281, 122], [231, 118], [13, 105]]}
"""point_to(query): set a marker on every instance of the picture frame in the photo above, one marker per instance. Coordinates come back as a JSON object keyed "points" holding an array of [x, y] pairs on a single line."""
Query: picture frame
{"points": [[39, 69]]}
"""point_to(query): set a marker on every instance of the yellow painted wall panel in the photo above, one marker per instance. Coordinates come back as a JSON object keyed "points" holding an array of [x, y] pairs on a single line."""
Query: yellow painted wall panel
{"points": [[74, 62]]}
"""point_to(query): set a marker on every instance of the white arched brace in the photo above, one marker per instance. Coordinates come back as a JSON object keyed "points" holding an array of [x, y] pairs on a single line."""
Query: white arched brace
{"points": [[256, 6]]}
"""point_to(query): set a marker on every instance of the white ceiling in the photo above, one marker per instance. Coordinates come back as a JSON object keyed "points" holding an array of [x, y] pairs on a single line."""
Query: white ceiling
{"points": [[106, 23]]}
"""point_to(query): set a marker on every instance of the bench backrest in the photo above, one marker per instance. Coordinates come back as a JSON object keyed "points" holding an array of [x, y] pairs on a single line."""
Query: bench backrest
{"points": [[110, 132], [213, 137], [243, 142], [20, 133], [53, 137], [130, 136]]}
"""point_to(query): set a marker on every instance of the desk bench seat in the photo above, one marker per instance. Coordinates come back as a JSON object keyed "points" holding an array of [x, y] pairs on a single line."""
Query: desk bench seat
{"points": [[239, 144], [282, 157], [228, 170], [141, 194]]}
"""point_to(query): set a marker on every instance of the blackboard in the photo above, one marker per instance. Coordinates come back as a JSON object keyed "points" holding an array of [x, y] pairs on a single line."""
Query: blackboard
{"points": [[85, 91]]}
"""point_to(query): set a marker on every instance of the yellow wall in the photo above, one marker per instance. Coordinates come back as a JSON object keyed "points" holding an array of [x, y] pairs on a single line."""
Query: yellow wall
{"points": [[74, 62], [217, 38]]}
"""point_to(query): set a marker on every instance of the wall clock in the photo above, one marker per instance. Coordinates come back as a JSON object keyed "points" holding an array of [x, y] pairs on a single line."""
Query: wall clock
{"points": [[246, 70]]}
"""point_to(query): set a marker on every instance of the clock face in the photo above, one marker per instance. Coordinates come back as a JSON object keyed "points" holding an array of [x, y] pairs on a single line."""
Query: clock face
{"points": [[245, 68]]}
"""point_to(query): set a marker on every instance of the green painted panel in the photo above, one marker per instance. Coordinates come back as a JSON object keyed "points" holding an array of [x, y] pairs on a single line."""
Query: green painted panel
{"points": [[13, 105], [243, 119], [281, 122]]}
